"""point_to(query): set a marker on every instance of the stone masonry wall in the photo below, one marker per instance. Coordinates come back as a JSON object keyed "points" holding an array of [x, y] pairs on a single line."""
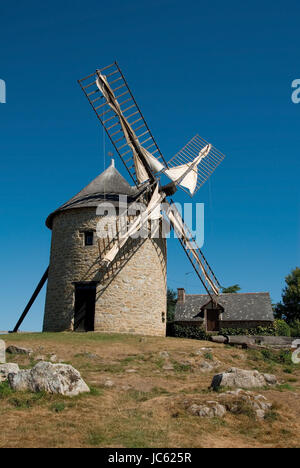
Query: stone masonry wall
{"points": [[132, 300]]}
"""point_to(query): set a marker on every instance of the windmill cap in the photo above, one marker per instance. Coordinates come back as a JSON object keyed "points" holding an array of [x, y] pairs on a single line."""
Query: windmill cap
{"points": [[106, 186]]}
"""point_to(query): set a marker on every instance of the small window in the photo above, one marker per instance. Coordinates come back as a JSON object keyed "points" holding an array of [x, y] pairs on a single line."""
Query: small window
{"points": [[88, 238]]}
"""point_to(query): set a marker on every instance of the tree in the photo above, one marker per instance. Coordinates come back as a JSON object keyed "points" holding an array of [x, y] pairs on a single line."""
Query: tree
{"points": [[231, 289], [171, 303], [289, 307]]}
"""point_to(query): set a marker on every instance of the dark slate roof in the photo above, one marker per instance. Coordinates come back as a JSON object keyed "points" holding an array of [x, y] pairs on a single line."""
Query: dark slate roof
{"points": [[107, 186], [239, 306]]}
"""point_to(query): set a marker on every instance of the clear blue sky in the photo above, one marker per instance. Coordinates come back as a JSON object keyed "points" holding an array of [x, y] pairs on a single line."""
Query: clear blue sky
{"points": [[220, 69]]}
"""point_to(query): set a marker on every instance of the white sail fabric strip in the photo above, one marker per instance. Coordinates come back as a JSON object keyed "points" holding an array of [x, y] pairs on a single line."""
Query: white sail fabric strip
{"points": [[152, 209], [129, 133], [179, 227], [191, 169]]}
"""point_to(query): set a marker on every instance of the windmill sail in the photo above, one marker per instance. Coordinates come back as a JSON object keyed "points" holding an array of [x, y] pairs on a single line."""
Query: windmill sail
{"points": [[152, 211], [186, 175], [193, 252], [133, 140], [199, 172]]}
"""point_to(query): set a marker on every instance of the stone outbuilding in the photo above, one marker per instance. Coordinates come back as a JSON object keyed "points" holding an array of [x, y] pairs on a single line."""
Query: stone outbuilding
{"points": [[130, 296], [234, 310]]}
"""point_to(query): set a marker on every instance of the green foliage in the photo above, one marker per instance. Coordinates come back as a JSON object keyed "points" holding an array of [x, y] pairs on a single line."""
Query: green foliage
{"points": [[171, 304], [295, 329], [182, 331], [58, 407], [209, 356], [231, 289], [257, 331], [281, 328], [289, 307]]}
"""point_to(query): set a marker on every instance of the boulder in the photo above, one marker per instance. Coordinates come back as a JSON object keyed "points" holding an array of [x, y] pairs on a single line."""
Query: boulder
{"points": [[13, 349], [6, 369], [2, 352], [211, 409], [242, 379], [51, 378]]}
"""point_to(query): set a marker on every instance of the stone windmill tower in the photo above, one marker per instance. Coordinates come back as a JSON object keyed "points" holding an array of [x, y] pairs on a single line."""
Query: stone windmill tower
{"points": [[118, 284], [131, 297]]}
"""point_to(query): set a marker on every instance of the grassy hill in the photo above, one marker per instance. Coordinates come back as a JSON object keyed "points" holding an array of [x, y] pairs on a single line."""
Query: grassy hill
{"points": [[144, 407]]}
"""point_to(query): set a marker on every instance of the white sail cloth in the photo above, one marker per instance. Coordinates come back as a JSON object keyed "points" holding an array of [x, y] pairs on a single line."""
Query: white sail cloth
{"points": [[185, 175], [129, 133], [152, 212]]}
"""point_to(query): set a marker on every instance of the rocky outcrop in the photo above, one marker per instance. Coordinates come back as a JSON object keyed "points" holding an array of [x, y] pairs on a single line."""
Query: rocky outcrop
{"points": [[240, 378], [51, 378], [241, 401], [6, 369], [13, 349], [211, 409]]}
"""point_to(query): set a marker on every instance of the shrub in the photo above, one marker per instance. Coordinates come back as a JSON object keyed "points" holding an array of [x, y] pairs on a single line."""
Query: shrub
{"points": [[295, 329], [259, 331], [187, 331], [282, 328]]}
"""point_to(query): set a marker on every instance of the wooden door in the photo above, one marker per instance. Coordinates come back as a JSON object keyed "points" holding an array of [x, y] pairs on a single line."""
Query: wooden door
{"points": [[212, 320]]}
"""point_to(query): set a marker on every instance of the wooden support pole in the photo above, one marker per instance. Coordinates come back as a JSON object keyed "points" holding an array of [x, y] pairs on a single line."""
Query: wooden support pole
{"points": [[31, 301]]}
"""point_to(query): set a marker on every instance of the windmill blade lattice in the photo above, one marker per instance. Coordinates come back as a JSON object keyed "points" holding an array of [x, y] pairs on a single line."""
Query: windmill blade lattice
{"points": [[110, 120], [193, 251], [206, 166]]}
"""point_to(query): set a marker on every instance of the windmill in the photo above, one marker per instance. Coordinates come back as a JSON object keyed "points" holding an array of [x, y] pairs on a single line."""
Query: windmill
{"points": [[117, 110]]}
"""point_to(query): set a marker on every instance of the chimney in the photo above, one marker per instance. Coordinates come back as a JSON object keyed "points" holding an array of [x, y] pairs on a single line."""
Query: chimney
{"points": [[181, 295]]}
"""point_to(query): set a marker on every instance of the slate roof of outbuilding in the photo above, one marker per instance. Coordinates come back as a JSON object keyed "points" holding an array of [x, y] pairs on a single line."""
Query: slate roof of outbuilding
{"points": [[106, 186], [237, 307]]}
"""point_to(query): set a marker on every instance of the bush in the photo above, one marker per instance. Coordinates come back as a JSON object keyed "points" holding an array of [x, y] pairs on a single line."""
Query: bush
{"points": [[259, 331], [282, 328], [187, 331], [295, 329]]}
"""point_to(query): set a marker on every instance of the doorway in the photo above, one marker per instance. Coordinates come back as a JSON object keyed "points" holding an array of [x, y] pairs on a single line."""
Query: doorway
{"points": [[212, 320], [84, 310]]}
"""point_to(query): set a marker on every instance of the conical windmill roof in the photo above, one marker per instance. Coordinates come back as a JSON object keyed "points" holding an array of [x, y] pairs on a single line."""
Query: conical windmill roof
{"points": [[106, 186]]}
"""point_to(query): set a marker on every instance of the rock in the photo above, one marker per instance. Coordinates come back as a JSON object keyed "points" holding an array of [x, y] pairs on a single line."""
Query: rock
{"points": [[51, 378], [238, 401], [143, 339], [131, 371], [270, 379], [211, 409], [2, 352], [13, 349], [242, 379], [40, 358], [109, 383], [164, 354], [200, 351], [53, 358], [168, 366], [6, 369], [207, 366], [126, 387]]}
